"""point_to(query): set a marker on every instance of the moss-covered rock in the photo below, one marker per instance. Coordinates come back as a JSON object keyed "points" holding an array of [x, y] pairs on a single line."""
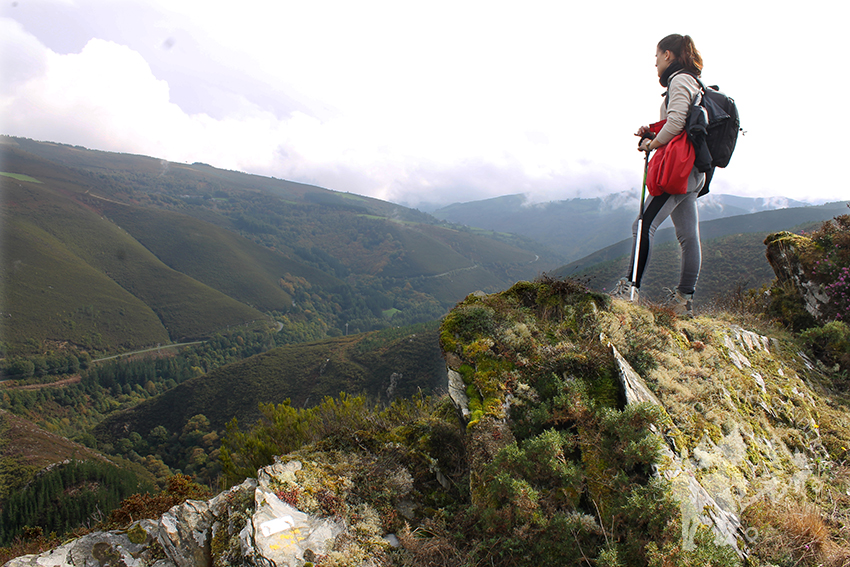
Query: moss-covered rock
{"points": [[793, 258], [727, 418]]}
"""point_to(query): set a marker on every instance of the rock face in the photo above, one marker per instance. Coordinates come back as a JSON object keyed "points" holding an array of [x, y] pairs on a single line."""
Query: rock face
{"points": [[785, 252], [696, 503], [134, 548], [280, 532]]}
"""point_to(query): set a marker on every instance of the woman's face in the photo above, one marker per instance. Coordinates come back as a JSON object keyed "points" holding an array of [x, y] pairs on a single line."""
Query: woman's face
{"points": [[663, 60]]}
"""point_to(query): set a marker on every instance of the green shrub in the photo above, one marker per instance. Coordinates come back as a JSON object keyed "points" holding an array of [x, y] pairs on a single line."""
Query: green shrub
{"points": [[830, 344]]}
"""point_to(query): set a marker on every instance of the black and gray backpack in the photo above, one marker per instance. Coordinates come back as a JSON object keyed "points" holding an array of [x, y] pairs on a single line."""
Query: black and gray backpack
{"points": [[713, 127]]}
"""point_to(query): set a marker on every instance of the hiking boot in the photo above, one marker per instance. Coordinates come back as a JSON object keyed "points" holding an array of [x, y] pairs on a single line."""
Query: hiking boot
{"points": [[625, 290], [682, 304]]}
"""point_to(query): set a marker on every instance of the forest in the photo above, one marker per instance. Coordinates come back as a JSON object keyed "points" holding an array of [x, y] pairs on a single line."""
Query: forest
{"points": [[72, 410], [67, 496]]}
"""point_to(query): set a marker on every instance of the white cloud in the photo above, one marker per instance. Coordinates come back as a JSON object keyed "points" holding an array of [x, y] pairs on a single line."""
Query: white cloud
{"points": [[21, 56], [419, 102]]}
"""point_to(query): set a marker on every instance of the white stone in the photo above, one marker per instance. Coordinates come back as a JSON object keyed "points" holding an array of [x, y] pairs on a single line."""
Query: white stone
{"points": [[300, 531], [457, 392], [277, 525]]}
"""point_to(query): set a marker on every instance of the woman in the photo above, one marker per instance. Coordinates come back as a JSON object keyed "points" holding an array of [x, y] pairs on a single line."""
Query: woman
{"points": [[678, 61]]}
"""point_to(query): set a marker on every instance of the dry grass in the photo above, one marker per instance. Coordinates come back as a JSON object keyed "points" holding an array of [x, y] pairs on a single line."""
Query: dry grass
{"points": [[429, 546], [34, 446], [796, 534]]}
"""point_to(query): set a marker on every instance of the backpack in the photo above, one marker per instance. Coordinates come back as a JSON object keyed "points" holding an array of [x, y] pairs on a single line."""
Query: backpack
{"points": [[712, 126]]}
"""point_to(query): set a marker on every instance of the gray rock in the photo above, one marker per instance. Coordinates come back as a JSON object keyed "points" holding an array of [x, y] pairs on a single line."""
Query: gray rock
{"points": [[129, 548], [783, 254], [185, 533], [696, 503], [280, 533], [457, 392]]}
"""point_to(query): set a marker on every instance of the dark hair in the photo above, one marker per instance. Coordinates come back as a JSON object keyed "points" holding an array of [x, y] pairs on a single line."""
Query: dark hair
{"points": [[683, 49]]}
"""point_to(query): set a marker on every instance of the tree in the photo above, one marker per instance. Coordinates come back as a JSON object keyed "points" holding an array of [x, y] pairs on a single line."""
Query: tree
{"points": [[21, 369]]}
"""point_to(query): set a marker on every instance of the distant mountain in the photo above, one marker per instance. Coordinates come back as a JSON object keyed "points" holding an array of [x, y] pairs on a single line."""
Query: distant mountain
{"points": [[577, 227], [110, 251], [732, 248]]}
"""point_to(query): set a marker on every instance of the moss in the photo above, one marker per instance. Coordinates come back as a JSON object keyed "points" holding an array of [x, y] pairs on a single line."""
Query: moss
{"points": [[219, 546], [106, 554], [696, 428], [137, 534], [605, 389], [225, 545], [448, 340], [524, 293], [468, 322], [156, 552]]}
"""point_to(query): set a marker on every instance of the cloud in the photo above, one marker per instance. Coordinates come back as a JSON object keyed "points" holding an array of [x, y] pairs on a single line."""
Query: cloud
{"points": [[106, 96], [21, 56], [373, 120], [413, 103]]}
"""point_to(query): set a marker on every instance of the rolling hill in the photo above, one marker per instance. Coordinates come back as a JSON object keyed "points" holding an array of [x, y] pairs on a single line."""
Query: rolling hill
{"points": [[71, 275], [112, 252], [382, 365], [26, 449]]}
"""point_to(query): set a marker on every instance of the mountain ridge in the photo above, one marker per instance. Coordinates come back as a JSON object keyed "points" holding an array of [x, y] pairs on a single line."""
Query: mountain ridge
{"points": [[203, 249], [578, 227]]}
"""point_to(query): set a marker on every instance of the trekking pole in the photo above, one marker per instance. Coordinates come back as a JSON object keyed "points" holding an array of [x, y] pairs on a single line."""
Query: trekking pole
{"points": [[639, 224]]}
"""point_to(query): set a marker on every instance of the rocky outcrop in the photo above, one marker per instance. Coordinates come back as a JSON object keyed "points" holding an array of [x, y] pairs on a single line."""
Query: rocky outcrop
{"points": [[696, 503], [787, 253], [136, 547], [588, 431], [741, 419], [246, 525]]}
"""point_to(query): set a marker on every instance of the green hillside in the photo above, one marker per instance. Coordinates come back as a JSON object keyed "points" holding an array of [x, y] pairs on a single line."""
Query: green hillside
{"points": [[572, 228], [215, 256], [732, 253], [577, 227], [762, 222], [50, 294], [56, 484], [119, 176], [202, 249], [26, 449], [382, 365], [185, 307]]}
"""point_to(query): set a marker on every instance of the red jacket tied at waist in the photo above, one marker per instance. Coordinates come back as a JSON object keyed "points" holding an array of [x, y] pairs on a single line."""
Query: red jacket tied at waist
{"points": [[671, 164]]}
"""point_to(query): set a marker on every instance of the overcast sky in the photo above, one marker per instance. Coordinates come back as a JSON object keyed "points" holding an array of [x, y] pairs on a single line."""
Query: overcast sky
{"points": [[427, 101]]}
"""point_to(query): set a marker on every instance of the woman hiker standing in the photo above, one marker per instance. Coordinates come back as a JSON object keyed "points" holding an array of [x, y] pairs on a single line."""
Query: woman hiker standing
{"points": [[677, 59]]}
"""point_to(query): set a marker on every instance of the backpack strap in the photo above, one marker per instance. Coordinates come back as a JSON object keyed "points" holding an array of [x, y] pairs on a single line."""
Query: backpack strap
{"points": [[666, 93]]}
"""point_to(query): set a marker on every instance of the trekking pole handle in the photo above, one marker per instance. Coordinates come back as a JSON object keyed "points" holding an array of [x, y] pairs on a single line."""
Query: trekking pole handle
{"points": [[648, 135]]}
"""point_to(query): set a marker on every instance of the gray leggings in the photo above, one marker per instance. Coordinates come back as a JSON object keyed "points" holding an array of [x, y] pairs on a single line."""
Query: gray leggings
{"points": [[682, 209]]}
